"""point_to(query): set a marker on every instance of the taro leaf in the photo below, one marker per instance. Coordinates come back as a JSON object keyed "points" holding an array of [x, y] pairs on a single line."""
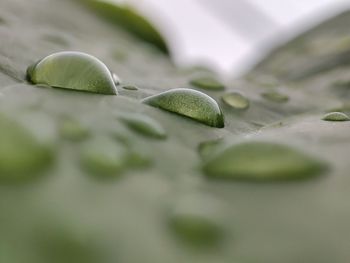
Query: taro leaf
{"points": [[125, 220], [126, 17]]}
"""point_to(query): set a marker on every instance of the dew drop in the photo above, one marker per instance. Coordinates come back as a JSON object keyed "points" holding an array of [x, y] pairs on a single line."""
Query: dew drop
{"points": [[61, 243], [72, 70], [116, 79], [208, 148], [130, 87], [56, 39], [190, 103], [262, 161], [144, 125], [137, 159], [336, 116], [71, 129], [208, 83], [236, 100], [197, 221], [275, 96], [103, 157], [22, 156], [120, 55]]}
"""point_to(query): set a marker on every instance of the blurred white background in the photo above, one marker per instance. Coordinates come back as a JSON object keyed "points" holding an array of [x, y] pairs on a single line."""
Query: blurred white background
{"points": [[231, 35]]}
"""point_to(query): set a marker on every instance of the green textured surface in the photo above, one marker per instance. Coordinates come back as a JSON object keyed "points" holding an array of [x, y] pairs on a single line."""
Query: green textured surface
{"points": [[70, 216]]}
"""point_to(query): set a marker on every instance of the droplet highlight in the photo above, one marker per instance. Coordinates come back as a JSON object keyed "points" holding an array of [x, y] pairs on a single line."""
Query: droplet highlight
{"points": [[208, 83], [116, 79], [72, 70], [235, 100], [336, 116], [190, 103], [144, 125], [262, 161]]}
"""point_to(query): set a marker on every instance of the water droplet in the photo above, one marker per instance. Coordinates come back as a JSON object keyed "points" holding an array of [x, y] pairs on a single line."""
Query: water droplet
{"points": [[190, 103], [21, 155], [120, 55], [137, 159], [67, 243], [72, 129], [197, 221], [262, 161], [336, 116], [275, 96], [103, 157], [208, 83], [73, 70], [206, 149], [236, 100], [56, 39], [130, 87], [144, 125], [116, 79]]}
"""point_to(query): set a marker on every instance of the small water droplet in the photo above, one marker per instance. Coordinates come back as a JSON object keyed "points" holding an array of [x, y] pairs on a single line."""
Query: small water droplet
{"points": [[275, 96], [336, 116], [116, 79], [236, 100], [130, 87], [72, 70], [137, 159], [197, 221], [72, 129], [144, 125], [206, 149], [208, 83], [120, 55], [261, 161], [68, 243], [103, 157], [22, 156], [190, 103], [56, 39]]}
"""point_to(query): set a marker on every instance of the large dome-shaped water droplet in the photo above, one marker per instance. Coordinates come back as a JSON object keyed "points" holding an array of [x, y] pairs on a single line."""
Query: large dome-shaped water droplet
{"points": [[190, 103], [336, 116], [262, 161], [73, 70]]}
